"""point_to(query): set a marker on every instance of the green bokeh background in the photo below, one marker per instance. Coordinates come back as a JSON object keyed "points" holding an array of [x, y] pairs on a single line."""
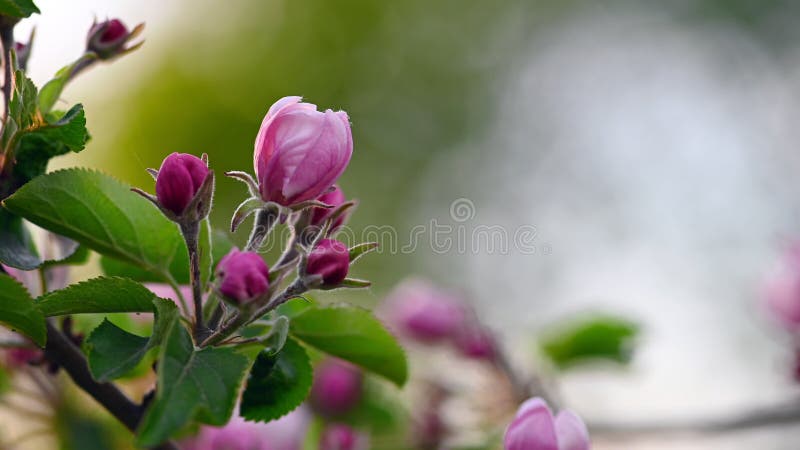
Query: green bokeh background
{"points": [[417, 77]]}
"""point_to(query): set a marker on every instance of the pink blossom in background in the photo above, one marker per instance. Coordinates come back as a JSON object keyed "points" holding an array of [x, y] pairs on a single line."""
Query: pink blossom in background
{"points": [[342, 437], [337, 387], [782, 290], [476, 342], [20, 357], [535, 428], [419, 310], [286, 433], [164, 290]]}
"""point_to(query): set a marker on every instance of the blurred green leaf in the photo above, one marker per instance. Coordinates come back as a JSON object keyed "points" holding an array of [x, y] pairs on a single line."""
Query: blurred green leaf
{"points": [[104, 215], [193, 384], [114, 352], [16, 245], [355, 335], [378, 410], [19, 312], [277, 384], [98, 295], [18, 8], [5, 381], [600, 337], [51, 91]]}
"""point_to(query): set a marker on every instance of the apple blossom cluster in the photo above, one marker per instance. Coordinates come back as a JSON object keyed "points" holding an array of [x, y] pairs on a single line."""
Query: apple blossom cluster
{"points": [[299, 154]]}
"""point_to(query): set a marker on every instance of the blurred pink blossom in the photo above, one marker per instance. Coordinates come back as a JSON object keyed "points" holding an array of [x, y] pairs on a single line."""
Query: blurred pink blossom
{"points": [[419, 310], [337, 387], [535, 428], [782, 290], [342, 437], [286, 433]]}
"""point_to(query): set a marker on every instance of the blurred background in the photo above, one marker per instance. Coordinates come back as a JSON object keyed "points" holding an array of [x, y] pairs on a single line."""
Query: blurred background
{"points": [[651, 147]]}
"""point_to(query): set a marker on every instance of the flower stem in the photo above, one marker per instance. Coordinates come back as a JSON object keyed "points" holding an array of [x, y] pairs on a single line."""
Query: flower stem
{"points": [[237, 321], [265, 221], [7, 39], [191, 234]]}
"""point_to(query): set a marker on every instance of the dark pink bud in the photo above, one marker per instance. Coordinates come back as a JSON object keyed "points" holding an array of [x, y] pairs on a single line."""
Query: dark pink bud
{"points": [[242, 276], [179, 179], [535, 428], [21, 357], [342, 437], [320, 215], [337, 387], [300, 152], [107, 39], [476, 342], [23, 53], [419, 310], [113, 31], [330, 259]]}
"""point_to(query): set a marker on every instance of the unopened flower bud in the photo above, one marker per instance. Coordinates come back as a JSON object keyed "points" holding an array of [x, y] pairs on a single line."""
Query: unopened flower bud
{"points": [[180, 180], [342, 437], [476, 342], [334, 198], [107, 39], [23, 52], [419, 310], [300, 152], [337, 387], [535, 428], [330, 260], [242, 277], [20, 356]]}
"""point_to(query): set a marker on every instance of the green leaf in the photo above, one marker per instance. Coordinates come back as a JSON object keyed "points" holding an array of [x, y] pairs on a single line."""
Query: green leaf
{"points": [[78, 256], [113, 352], [60, 134], [18, 311], [355, 335], [102, 214], [600, 337], [68, 128], [18, 8], [22, 106], [277, 384], [16, 245], [221, 245], [98, 295], [51, 91], [199, 385]]}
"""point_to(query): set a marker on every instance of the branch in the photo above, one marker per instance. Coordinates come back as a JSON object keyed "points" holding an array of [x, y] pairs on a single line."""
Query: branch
{"points": [[62, 351], [7, 40], [767, 417]]}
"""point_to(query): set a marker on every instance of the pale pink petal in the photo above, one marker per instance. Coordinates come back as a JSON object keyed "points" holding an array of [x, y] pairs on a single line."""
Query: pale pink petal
{"points": [[164, 290], [571, 431], [263, 149], [532, 404], [532, 429]]}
